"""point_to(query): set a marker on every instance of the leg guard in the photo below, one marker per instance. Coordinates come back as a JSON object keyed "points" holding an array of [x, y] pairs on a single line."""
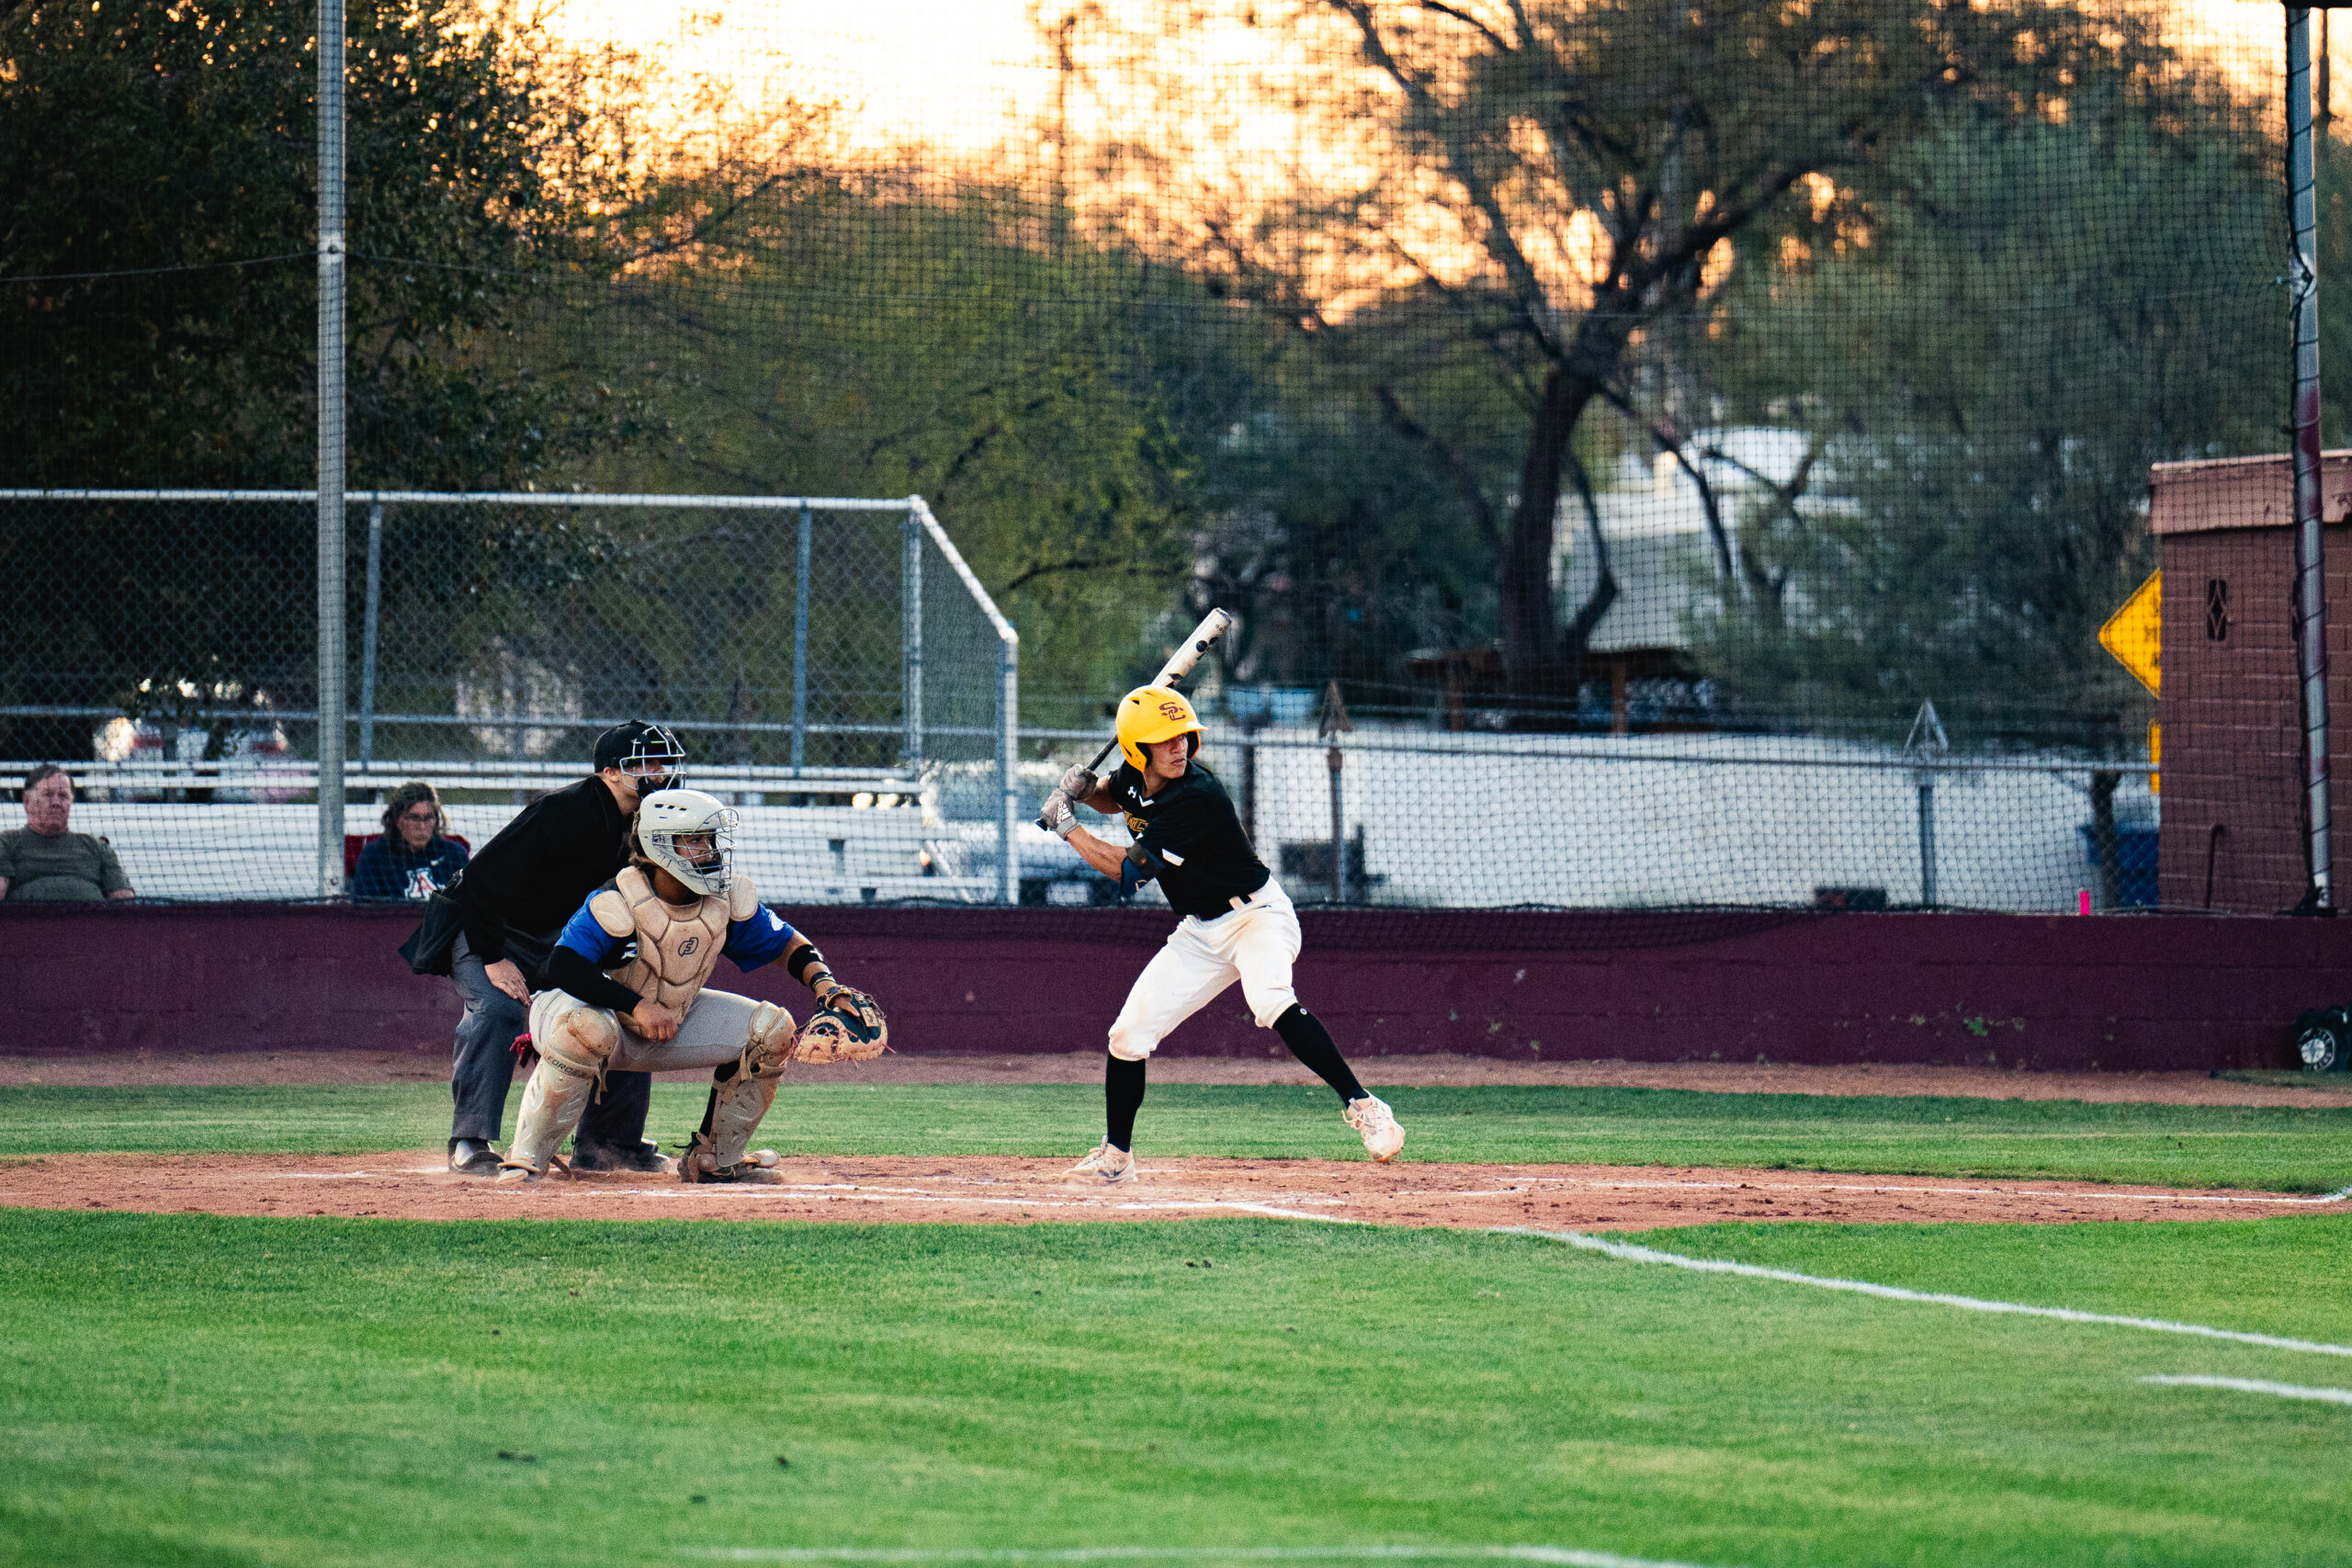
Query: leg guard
{"points": [[741, 1094], [576, 1047]]}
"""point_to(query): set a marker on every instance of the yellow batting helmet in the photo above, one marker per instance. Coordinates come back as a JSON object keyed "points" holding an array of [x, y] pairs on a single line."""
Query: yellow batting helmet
{"points": [[1150, 715]]}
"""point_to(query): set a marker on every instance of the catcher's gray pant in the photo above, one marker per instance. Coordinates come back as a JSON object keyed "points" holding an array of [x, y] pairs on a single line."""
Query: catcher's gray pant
{"points": [[716, 1029], [482, 1068], [579, 1043]]}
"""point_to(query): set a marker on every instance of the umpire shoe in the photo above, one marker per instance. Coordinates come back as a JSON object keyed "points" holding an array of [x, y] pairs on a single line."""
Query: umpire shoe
{"points": [[1372, 1117], [1111, 1167], [647, 1158], [471, 1157]]}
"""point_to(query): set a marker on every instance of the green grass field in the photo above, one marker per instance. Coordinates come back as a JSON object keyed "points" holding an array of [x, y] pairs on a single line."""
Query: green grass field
{"points": [[2297, 1150], [195, 1391], [200, 1390]]}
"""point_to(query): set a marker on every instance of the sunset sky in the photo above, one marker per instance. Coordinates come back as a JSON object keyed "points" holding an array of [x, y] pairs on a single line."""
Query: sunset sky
{"points": [[960, 75]]}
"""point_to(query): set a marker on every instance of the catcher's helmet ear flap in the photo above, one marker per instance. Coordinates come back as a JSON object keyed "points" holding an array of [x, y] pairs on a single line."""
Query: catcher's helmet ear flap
{"points": [[1150, 715], [667, 816]]}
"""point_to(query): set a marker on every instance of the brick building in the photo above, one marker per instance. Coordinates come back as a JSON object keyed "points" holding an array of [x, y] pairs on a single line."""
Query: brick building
{"points": [[2232, 832]]}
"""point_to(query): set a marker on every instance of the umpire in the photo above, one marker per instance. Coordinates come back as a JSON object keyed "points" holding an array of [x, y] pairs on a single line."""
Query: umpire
{"points": [[516, 895]]}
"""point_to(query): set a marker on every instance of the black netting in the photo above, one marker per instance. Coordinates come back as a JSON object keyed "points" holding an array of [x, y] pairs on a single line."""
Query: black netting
{"points": [[1666, 455]]}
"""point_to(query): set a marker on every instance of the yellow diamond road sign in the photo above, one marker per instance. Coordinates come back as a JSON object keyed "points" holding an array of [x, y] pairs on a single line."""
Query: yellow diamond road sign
{"points": [[2135, 633]]}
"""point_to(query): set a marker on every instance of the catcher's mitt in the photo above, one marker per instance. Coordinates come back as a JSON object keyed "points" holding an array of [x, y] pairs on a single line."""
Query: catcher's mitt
{"points": [[834, 1036], [861, 1010]]}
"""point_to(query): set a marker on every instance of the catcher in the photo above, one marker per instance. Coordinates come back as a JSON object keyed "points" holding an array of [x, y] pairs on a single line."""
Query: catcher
{"points": [[625, 988]]}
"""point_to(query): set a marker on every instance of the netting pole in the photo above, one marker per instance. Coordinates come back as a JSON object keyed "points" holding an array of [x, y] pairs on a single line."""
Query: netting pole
{"points": [[1334, 761], [1008, 741], [2311, 582], [332, 652], [367, 634], [800, 650], [1927, 739], [1926, 841], [911, 634]]}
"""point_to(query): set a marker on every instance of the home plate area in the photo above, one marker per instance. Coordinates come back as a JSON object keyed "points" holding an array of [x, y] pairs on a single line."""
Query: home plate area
{"points": [[412, 1184]]}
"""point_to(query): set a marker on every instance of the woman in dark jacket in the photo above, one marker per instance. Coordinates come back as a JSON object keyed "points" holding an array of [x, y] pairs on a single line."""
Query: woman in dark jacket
{"points": [[414, 857]]}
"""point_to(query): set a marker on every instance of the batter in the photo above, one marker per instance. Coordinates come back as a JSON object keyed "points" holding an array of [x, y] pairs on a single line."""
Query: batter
{"points": [[1237, 924]]}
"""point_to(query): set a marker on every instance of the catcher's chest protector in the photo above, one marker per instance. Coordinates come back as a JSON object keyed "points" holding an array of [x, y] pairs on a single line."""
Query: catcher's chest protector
{"points": [[676, 948]]}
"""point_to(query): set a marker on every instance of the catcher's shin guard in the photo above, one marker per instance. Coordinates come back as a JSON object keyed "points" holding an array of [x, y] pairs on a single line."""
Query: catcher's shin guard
{"points": [[739, 1100], [572, 1055]]}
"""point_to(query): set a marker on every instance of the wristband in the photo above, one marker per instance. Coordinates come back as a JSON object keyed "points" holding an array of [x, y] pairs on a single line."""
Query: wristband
{"points": [[804, 959]]}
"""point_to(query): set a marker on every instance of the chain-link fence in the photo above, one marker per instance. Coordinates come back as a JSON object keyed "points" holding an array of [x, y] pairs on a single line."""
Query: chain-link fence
{"points": [[1701, 446], [832, 665], [1392, 817]]}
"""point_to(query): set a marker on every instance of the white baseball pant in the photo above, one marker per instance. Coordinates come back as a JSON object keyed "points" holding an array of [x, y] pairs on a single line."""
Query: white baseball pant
{"points": [[717, 1027], [1255, 944]]}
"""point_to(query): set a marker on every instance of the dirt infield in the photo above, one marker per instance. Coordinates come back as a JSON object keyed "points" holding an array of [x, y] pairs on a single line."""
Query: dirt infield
{"points": [[1086, 1066], [412, 1184]]}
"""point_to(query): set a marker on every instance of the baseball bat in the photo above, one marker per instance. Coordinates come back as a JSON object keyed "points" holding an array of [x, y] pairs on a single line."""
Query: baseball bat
{"points": [[1214, 625]]}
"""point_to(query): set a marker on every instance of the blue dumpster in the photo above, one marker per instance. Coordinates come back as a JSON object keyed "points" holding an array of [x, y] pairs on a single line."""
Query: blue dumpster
{"points": [[2136, 858]]}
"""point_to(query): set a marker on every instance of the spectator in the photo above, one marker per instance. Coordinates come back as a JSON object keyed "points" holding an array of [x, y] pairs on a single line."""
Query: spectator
{"points": [[414, 858], [42, 861]]}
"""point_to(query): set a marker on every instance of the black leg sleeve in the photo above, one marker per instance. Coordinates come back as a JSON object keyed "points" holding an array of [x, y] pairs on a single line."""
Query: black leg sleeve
{"points": [[1122, 1098], [616, 1117], [724, 1073], [1311, 1044]]}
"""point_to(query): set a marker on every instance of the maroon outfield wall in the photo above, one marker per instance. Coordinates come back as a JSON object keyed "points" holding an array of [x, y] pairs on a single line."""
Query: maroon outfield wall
{"points": [[2039, 991]]}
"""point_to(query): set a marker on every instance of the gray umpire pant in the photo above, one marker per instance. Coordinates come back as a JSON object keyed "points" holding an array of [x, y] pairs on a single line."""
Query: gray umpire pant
{"points": [[482, 1068]]}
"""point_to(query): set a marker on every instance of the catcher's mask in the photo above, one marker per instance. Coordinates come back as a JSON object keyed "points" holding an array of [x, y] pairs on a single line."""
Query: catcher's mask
{"points": [[690, 835], [1150, 715], [649, 754]]}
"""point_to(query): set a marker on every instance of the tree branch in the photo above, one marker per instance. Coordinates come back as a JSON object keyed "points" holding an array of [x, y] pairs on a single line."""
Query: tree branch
{"points": [[1116, 566], [1464, 477], [1586, 620], [1468, 20]]}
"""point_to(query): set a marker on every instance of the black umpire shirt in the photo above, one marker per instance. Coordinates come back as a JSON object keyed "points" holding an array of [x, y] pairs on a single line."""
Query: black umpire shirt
{"points": [[541, 867], [1192, 841]]}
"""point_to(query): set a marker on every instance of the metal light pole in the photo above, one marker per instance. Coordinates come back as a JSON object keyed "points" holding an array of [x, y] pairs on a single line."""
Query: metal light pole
{"points": [[911, 637], [330, 448], [800, 654], [2311, 582]]}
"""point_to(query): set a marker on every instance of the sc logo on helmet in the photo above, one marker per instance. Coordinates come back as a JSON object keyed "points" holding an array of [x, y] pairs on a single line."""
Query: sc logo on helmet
{"points": [[1173, 710]]}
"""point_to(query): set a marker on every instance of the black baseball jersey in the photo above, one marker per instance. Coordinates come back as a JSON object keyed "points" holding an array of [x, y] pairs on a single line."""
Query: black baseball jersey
{"points": [[1192, 841]]}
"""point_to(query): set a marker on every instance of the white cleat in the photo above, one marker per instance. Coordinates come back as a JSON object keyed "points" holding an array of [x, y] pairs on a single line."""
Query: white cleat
{"points": [[513, 1172], [1111, 1168], [1372, 1117]]}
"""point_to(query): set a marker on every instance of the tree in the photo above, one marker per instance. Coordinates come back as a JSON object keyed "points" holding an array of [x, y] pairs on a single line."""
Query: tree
{"points": [[1343, 548], [1561, 180], [156, 226], [156, 317], [2044, 308], [1049, 398]]}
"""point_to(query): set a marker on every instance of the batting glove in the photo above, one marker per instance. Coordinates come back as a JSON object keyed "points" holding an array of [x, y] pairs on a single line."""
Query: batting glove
{"points": [[1058, 816], [1078, 784]]}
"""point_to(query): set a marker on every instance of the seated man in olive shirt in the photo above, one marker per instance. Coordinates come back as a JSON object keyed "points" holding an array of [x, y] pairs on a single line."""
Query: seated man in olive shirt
{"points": [[42, 861]]}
